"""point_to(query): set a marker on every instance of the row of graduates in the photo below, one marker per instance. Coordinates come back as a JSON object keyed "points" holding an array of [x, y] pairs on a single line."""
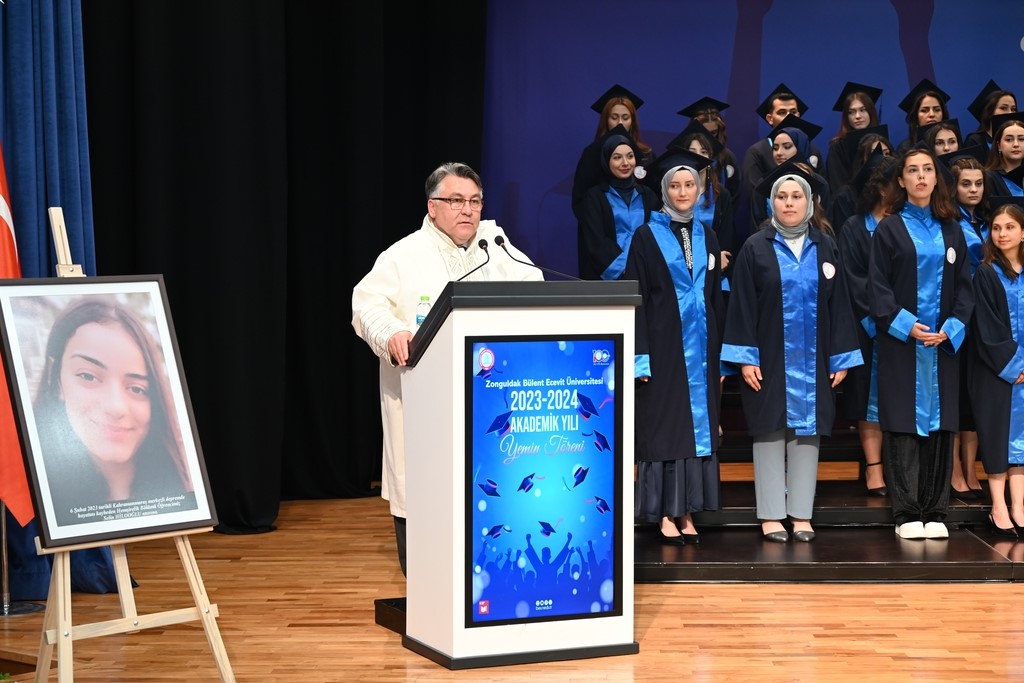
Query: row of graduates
{"points": [[891, 307], [792, 138]]}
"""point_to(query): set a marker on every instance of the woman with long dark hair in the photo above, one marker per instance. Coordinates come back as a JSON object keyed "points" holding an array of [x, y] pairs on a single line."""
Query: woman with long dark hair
{"points": [[919, 284]]}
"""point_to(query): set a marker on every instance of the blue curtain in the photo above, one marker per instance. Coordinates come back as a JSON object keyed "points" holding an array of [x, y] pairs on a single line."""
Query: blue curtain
{"points": [[46, 154]]}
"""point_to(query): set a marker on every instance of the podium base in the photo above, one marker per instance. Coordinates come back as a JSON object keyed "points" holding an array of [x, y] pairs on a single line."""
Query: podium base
{"points": [[390, 613], [509, 659]]}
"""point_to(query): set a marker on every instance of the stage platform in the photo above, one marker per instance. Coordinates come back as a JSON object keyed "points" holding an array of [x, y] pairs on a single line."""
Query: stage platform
{"points": [[855, 541]]}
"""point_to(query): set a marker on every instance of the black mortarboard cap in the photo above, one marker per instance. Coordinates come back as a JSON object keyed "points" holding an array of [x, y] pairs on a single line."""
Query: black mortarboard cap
{"points": [[864, 174], [546, 528], [765, 107], [853, 138], [995, 202], [670, 158], [602, 505], [851, 87], [586, 407], [527, 482], [696, 127], [616, 91], [974, 151], [792, 121], [601, 441], [999, 119], [981, 100], [952, 123], [704, 104], [490, 487], [789, 167], [923, 86]]}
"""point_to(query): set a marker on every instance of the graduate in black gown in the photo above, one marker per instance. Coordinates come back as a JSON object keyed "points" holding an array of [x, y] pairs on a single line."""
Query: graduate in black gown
{"points": [[996, 362], [715, 206], [1006, 158], [675, 259], [925, 103], [863, 144], [919, 284], [991, 101], [970, 195], [758, 160], [858, 399], [790, 140], [707, 111], [791, 335], [857, 105], [616, 107], [612, 209]]}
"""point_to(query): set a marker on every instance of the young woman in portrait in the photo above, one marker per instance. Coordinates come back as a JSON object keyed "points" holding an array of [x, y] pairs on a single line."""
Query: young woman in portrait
{"points": [[857, 107], [991, 101], [104, 412]]}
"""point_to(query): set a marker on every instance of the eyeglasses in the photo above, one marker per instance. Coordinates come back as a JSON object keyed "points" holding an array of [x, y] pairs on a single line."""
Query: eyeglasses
{"points": [[458, 202]]}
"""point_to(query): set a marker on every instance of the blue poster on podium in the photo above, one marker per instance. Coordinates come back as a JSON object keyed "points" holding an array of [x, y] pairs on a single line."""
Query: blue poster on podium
{"points": [[543, 468]]}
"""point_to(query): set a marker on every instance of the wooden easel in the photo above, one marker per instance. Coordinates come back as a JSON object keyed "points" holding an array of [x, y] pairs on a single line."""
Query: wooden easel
{"points": [[57, 626]]}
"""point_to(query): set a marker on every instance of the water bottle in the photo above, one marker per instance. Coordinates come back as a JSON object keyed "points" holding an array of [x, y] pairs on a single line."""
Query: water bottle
{"points": [[422, 308]]}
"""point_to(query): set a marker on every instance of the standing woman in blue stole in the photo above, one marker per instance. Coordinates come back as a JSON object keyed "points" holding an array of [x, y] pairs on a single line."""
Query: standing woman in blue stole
{"points": [[919, 283], [675, 258], [996, 360], [790, 330], [613, 208], [859, 398], [1006, 158], [970, 195]]}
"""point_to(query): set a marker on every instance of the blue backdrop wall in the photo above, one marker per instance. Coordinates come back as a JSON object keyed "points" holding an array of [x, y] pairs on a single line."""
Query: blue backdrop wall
{"points": [[547, 62]]}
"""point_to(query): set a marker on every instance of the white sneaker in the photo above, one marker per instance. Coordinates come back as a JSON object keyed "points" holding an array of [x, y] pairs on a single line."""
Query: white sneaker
{"points": [[911, 530], [935, 530]]}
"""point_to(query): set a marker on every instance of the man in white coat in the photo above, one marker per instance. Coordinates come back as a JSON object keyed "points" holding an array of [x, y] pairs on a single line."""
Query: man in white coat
{"points": [[384, 302]]}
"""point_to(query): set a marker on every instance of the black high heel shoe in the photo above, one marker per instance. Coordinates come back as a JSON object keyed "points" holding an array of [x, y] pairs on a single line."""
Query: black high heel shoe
{"points": [[881, 491], [1011, 532]]}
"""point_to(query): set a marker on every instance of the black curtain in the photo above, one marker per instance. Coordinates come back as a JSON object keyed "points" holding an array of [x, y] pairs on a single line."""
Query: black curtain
{"points": [[259, 155]]}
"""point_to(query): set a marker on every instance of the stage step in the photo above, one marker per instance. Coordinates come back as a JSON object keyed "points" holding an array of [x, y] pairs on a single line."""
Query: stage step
{"points": [[855, 542]]}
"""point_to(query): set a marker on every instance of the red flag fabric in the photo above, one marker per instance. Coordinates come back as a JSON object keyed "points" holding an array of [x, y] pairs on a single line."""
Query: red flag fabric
{"points": [[14, 491]]}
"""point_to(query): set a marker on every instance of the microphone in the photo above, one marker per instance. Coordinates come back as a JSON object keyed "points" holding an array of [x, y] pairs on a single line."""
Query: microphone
{"points": [[483, 245], [500, 241]]}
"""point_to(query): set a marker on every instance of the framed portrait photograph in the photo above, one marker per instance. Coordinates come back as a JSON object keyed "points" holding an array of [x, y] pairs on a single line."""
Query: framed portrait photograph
{"points": [[102, 407]]}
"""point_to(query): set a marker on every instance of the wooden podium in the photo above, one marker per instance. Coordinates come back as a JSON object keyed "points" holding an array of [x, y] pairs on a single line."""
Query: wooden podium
{"points": [[466, 347]]}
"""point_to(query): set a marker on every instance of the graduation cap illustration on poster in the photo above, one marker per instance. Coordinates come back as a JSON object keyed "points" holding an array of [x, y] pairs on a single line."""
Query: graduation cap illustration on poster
{"points": [[578, 475], [497, 530], [602, 505], [527, 482], [490, 487], [500, 425], [600, 440], [546, 529], [586, 407]]}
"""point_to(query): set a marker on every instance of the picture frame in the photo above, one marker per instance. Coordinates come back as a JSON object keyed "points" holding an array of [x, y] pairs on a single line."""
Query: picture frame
{"points": [[102, 409]]}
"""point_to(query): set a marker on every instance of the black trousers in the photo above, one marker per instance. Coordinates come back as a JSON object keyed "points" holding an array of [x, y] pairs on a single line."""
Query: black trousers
{"points": [[917, 474]]}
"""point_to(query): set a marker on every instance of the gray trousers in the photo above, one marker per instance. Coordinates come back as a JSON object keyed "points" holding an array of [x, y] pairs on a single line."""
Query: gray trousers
{"points": [[785, 474]]}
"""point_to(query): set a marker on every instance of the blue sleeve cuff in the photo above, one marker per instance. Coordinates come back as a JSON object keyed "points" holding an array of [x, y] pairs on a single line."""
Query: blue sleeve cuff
{"points": [[1013, 369], [902, 325], [844, 361], [741, 355], [868, 323], [641, 366], [956, 331]]}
